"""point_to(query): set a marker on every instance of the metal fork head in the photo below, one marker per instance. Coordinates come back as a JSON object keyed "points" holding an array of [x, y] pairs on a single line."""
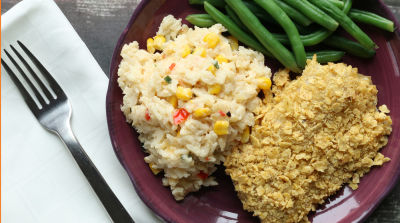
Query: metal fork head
{"points": [[51, 109]]}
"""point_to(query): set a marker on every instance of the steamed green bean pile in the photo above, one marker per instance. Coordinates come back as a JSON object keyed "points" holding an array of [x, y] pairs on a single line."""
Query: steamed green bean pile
{"points": [[304, 24]]}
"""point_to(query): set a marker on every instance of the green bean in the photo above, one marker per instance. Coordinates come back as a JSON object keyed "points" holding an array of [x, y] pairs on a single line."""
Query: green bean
{"points": [[337, 3], [314, 13], [290, 11], [347, 6], [234, 29], [311, 39], [346, 23], [201, 20], [371, 19], [257, 11], [316, 37], [235, 18], [349, 46], [216, 3], [293, 34], [263, 35], [307, 29], [297, 16], [326, 56]]}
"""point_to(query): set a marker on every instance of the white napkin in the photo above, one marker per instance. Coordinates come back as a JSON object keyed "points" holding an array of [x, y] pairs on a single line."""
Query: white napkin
{"points": [[40, 180]]}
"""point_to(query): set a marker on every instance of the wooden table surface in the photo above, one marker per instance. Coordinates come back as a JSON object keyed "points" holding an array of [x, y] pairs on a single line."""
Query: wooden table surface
{"points": [[100, 23]]}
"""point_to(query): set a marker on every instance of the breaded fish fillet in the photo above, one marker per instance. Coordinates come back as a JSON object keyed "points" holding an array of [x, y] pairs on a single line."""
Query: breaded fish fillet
{"points": [[319, 132]]}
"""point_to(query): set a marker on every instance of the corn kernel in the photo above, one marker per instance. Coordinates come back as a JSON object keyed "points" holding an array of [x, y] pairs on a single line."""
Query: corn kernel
{"points": [[212, 39], [200, 51], [233, 42], [214, 89], [264, 83], [201, 112], [185, 51], [150, 45], [245, 135], [221, 127], [183, 93], [159, 41], [221, 59], [154, 170], [173, 100], [212, 69]]}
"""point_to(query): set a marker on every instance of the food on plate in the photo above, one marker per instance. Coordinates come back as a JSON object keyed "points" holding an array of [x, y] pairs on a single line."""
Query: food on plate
{"points": [[251, 22], [314, 13], [371, 19], [280, 52], [235, 30], [317, 133], [191, 96], [194, 96], [201, 20], [345, 22], [325, 56], [289, 27]]}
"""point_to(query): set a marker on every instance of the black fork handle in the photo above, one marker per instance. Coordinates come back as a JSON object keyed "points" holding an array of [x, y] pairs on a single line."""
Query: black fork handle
{"points": [[111, 203]]}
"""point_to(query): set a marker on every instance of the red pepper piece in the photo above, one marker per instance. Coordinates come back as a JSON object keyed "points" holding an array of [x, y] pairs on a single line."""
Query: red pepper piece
{"points": [[180, 116], [202, 175], [147, 115], [171, 67], [222, 113]]}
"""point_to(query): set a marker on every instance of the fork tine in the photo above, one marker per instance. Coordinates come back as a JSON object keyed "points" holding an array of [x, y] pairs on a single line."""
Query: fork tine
{"points": [[53, 83], [35, 91], [25, 94], [32, 72]]}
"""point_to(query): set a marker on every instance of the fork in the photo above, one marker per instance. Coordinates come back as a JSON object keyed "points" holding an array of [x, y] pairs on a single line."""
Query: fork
{"points": [[54, 115]]}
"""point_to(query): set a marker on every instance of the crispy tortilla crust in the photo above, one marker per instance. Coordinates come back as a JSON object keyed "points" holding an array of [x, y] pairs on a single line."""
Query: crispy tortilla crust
{"points": [[319, 132]]}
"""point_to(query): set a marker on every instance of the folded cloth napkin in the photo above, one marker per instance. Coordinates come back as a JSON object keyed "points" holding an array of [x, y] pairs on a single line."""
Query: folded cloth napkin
{"points": [[40, 180]]}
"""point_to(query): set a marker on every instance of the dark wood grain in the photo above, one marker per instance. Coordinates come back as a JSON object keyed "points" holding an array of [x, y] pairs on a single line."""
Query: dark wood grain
{"points": [[100, 23]]}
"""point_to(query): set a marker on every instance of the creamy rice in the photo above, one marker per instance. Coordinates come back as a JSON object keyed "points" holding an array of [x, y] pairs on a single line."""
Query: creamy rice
{"points": [[213, 93]]}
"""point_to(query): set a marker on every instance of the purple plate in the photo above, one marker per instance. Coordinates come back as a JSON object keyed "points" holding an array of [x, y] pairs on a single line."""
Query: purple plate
{"points": [[220, 203]]}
